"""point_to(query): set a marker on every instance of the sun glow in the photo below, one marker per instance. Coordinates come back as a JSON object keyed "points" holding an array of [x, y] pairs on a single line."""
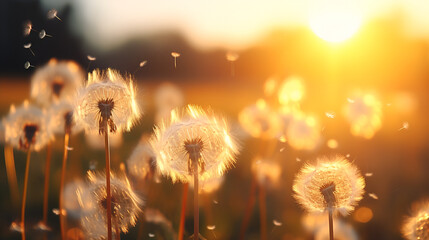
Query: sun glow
{"points": [[334, 20]]}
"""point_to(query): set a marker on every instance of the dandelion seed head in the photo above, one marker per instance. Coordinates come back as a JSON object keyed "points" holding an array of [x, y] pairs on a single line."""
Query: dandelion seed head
{"points": [[303, 132], [260, 121], [142, 162], [333, 184], [26, 128], [75, 195], [56, 81], [266, 172], [168, 96], [60, 118], [107, 97], [202, 129], [126, 206], [416, 226], [292, 90], [364, 115]]}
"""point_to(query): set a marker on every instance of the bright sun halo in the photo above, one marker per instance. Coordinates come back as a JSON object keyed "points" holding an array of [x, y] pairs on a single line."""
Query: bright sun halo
{"points": [[334, 20]]}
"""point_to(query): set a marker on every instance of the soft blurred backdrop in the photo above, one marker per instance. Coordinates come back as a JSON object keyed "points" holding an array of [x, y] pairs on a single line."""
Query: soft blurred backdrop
{"points": [[384, 50]]}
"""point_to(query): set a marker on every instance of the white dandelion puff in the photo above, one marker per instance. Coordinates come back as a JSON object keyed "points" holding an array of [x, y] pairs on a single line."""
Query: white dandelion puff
{"points": [[415, 227]]}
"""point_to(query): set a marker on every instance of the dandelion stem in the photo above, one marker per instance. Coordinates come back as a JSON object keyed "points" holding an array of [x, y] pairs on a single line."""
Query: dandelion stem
{"points": [[196, 207], [331, 226], [47, 174], [249, 208], [24, 195], [63, 176], [108, 197], [262, 213], [11, 175], [183, 210]]}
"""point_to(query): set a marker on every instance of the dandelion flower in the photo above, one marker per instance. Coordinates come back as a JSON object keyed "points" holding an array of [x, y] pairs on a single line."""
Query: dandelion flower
{"points": [[303, 132], [267, 172], [142, 162], [332, 184], [26, 127], [126, 206], [173, 140], [260, 121], [364, 114], [107, 98], [417, 226], [56, 81]]}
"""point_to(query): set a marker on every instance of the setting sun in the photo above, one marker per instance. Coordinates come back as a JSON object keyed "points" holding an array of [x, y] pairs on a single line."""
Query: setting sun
{"points": [[334, 20]]}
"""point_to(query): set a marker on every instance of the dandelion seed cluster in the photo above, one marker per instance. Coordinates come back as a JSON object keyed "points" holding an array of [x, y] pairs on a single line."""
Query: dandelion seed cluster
{"points": [[61, 118], [142, 162], [126, 205], [364, 114], [56, 81], [107, 97], [26, 128], [267, 172], [303, 132], [193, 124], [416, 227], [260, 121], [338, 173]]}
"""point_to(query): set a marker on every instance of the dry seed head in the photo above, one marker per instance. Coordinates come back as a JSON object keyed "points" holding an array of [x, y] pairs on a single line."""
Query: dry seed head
{"points": [[260, 121], [142, 162], [331, 184], [416, 227], [107, 97], [56, 81], [195, 134], [126, 205], [26, 127]]}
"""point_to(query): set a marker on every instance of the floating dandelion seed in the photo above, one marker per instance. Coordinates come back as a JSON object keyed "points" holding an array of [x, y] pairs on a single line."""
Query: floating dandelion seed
{"points": [[260, 121], [298, 159], [232, 57], [56, 81], [28, 46], [28, 27], [368, 174], [151, 235], [373, 195], [142, 63], [330, 114], [175, 55], [277, 223], [41, 226], [217, 148], [211, 227], [91, 58], [336, 174], [43, 34], [15, 227], [57, 212], [27, 65], [53, 13], [364, 115], [416, 226], [405, 126], [348, 155], [332, 185], [282, 149], [291, 91], [126, 206], [303, 132], [107, 97], [266, 172], [350, 100]]}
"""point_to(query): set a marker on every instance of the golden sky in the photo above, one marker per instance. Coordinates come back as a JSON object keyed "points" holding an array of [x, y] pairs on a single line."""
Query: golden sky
{"points": [[233, 24]]}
